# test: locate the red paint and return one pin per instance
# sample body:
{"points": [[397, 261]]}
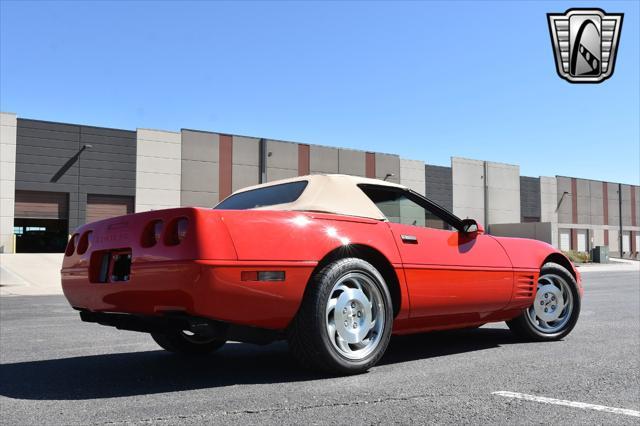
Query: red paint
{"points": [[605, 210], [225, 165], [447, 280], [370, 165], [303, 160]]}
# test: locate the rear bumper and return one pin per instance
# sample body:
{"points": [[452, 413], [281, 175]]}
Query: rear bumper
{"points": [[198, 288]]}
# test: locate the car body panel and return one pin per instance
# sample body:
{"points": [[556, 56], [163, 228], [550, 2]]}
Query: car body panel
{"points": [[448, 279], [452, 273]]}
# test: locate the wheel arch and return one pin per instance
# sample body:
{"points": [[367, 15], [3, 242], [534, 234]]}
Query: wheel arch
{"points": [[561, 260], [375, 258]]}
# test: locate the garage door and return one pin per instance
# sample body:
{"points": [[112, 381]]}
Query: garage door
{"points": [[626, 242], [582, 240], [105, 206], [41, 205], [565, 240]]}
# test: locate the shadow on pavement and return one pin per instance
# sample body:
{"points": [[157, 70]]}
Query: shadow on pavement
{"points": [[139, 373]]}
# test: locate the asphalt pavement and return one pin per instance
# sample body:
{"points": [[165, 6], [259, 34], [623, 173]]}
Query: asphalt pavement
{"points": [[55, 369]]}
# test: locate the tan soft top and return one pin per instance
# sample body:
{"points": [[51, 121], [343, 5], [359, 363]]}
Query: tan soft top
{"points": [[330, 193]]}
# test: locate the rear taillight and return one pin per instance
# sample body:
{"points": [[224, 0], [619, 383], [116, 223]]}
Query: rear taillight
{"points": [[85, 242], [176, 231], [152, 233], [71, 245]]}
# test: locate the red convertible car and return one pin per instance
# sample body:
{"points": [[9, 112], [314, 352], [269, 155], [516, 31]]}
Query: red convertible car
{"points": [[334, 264]]}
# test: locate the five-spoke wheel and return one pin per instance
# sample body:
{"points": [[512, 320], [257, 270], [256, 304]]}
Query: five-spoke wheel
{"points": [[355, 315], [344, 323], [555, 309]]}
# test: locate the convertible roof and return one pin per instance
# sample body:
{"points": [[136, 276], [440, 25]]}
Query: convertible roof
{"points": [[330, 193]]}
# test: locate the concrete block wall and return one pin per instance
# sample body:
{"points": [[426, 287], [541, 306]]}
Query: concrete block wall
{"points": [[503, 191], [626, 205], [323, 159], [439, 185], [468, 188], [565, 209], [542, 231], [351, 162], [8, 130], [549, 204], [387, 164], [200, 168], [282, 160], [412, 175], [246, 162], [158, 170], [613, 205], [530, 199]]}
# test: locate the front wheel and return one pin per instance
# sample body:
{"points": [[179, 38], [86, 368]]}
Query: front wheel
{"points": [[555, 309], [185, 343], [344, 323]]}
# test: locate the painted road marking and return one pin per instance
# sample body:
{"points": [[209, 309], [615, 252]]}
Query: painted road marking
{"points": [[583, 405]]}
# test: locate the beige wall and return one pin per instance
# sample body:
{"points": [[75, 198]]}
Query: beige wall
{"points": [[468, 188], [282, 160], [8, 126], [412, 174], [200, 168], [549, 204], [503, 191], [158, 170]]}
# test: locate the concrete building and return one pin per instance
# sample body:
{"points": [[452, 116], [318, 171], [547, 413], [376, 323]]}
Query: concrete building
{"points": [[56, 177]]}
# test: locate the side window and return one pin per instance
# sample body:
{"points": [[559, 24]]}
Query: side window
{"points": [[399, 208]]}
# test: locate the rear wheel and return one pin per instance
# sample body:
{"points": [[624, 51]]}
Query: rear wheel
{"points": [[344, 323], [555, 309], [183, 342]]}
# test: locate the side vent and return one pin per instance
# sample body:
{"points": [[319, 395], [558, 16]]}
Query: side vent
{"points": [[525, 286]]}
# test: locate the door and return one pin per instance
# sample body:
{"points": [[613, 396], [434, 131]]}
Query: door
{"points": [[448, 272], [105, 206], [40, 223], [626, 243], [565, 240], [581, 236]]}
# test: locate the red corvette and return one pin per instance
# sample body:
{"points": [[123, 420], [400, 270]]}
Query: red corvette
{"points": [[334, 264]]}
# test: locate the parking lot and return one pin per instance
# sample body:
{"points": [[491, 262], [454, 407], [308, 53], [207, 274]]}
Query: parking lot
{"points": [[56, 369]]}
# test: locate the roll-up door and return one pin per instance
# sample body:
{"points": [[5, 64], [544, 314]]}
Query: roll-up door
{"points": [[41, 205], [105, 206]]}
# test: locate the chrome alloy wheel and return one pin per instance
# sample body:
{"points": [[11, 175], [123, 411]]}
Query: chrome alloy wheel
{"points": [[355, 316], [553, 305]]}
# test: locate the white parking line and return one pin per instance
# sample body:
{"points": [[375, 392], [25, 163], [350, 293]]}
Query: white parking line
{"points": [[583, 405]]}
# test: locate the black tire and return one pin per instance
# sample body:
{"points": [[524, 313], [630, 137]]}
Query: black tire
{"points": [[308, 338], [522, 325], [180, 343]]}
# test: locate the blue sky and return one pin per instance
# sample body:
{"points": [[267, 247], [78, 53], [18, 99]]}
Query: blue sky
{"points": [[426, 80]]}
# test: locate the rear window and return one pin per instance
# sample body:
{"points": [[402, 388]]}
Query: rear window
{"points": [[263, 197]]}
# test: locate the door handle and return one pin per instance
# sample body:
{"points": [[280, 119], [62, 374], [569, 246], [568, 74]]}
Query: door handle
{"points": [[409, 239]]}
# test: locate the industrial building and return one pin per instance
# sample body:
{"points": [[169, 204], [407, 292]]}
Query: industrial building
{"points": [[57, 176]]}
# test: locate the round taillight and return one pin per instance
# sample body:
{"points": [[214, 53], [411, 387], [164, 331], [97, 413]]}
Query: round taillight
{"points": [[157, 231], [85, 242], [181, 228], [176, 231], [71, 245], [152, 233]]}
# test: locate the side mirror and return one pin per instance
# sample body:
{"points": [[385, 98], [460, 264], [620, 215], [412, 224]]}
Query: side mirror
{"points": [[470, 226]]}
